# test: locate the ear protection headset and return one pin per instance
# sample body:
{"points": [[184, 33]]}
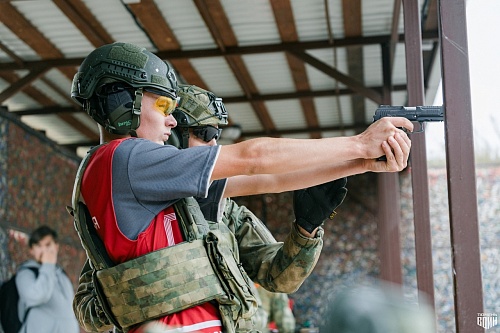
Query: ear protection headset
{"points": [[118, 106]]}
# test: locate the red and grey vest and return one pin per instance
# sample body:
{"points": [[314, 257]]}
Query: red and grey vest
{"points": [[163, 231]]}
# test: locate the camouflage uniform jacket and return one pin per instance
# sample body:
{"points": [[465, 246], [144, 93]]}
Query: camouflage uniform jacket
{"points": [[277, 308], [277, 266]]}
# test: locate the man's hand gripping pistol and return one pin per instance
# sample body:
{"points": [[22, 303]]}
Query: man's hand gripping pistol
{"points": [[420, 114]]}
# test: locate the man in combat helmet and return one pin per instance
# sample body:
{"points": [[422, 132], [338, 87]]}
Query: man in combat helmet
{"points": [[131, 186], [201, 113]]}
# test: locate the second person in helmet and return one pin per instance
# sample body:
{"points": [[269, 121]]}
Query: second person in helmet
{"points": [[198, 112]]}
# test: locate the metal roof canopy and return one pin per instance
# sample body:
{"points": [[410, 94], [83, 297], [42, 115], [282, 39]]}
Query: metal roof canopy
{"points": [[216, 44]]}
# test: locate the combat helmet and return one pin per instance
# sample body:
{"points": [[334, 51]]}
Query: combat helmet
{"points": [[377, 308], [110, 83], [196, 109]]}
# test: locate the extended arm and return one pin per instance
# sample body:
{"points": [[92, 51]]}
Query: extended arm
{"points": [[396, 152], [280, 155]]}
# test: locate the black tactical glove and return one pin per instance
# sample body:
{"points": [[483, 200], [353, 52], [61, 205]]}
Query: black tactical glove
{"points": [[313, 205]]}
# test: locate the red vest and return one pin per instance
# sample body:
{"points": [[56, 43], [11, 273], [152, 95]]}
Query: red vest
{"points": [[163, 231]]}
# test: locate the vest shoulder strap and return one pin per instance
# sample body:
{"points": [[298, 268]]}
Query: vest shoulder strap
{"points": [[93, 245]]}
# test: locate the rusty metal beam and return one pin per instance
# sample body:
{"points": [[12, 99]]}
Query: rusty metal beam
{"points": [[352, 18], [420, 187], [389, 218], [389, 211], [146, 12], [19, 25], [332, 72], [227, 100], [283, 14], [47, 110], [26, 80], [430, 19], [218, 24], [49, 105], [34, 93], [11, 54], [236, 50], [83, 19], [23, 28], [394, 32], [460, 166]]}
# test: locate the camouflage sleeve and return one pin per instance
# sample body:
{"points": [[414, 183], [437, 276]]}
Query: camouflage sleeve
{"points": [[277, 266], [87, 309]]}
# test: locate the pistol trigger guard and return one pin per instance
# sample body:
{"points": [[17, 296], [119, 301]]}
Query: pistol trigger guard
{"points": [[421, 130]]}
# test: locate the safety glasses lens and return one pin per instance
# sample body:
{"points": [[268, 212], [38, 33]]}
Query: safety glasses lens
{"points": [[165, 105], [207, 133]]}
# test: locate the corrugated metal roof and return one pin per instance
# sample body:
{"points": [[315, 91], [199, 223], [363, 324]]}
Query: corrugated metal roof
{"points": [[187, 24], [253, 23]]}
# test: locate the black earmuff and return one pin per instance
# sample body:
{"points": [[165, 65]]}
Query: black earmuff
{"points": [[116, 102]]}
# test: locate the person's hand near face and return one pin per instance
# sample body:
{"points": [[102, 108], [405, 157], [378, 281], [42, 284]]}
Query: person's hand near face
{"points": [[45, 251]]}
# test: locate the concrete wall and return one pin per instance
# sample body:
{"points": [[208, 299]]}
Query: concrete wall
{"points": [[36, 183]]}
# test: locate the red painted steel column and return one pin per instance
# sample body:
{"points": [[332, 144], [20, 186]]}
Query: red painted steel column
{"points": [[389, 211], [460, 166], [420, 182], [389, 218]]}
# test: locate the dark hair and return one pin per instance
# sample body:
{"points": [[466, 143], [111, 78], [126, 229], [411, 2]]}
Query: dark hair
{"points": [[41, 232]]}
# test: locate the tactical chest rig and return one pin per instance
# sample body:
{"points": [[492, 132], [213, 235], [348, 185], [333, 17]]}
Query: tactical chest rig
{"points": [[203, 268]]}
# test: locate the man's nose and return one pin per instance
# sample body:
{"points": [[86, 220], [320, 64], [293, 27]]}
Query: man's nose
{"points": [[170, 121]]}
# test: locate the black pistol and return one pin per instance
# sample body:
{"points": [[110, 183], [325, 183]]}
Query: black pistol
{"points": [[420, 114]]}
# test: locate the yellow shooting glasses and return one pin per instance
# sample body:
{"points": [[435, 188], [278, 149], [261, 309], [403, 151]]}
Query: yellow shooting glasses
{"points": [[165, 105]]}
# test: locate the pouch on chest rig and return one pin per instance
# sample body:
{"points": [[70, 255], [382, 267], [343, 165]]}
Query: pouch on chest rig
{"points": [[160, 283], [238, 303]]}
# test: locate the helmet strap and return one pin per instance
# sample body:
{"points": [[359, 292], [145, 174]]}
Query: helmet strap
{"points": [[181, 137], [136, 111], [185, 137]]}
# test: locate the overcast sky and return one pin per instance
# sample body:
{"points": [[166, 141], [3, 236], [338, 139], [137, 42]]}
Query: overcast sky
{"points": [[483, 27]]}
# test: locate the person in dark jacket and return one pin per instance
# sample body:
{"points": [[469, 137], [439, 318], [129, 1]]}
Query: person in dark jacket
{"points": [[48, 295]]}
